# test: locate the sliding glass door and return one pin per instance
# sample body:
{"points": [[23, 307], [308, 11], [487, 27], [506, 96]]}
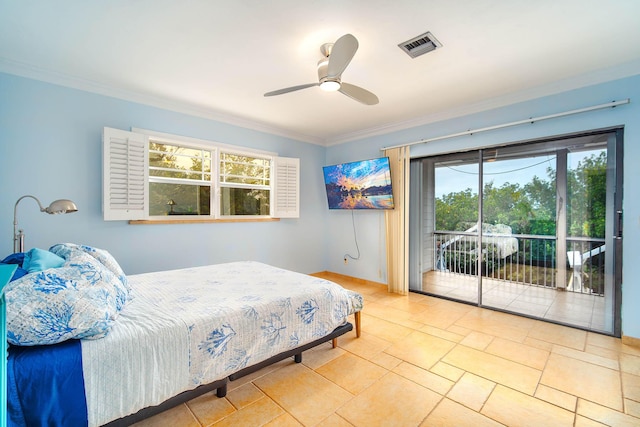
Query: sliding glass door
{"points": [[519, 217], [528, 228]]}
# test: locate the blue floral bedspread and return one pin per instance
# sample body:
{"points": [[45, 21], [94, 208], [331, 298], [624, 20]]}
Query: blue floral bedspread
{"points": [[188, 327]]}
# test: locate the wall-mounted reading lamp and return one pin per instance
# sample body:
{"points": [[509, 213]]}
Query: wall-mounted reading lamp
{"points": [[56, 207]]}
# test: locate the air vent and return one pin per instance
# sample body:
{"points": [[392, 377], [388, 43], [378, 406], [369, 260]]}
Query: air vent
{"points": [[420, 45]]}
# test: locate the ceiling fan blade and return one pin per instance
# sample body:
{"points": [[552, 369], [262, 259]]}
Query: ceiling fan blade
{"points": [[359, 94], [341, 54], [290, 89]]}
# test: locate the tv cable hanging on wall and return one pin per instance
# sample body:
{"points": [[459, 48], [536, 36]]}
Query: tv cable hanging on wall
{"points": [[355, 238]]}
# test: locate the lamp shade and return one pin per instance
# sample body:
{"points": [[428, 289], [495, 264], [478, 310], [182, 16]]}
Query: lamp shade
{"points": [[61, 206]]}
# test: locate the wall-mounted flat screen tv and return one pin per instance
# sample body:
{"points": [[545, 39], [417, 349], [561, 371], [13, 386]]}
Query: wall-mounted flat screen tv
{"points": [[359, 185]]}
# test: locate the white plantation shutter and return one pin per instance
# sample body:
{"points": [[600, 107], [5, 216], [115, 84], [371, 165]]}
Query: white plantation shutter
{"points": [[125, 175], [286, 200]]}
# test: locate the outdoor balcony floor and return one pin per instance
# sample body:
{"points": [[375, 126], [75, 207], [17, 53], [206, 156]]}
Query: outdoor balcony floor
{"points": [[583, 310]]}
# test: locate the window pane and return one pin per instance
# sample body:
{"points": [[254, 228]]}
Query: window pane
{"points": [[179, 199], [243, 201], [456, 191], [586, 193], [520, 191], [172, 161], [244, 169], [174, 149]]}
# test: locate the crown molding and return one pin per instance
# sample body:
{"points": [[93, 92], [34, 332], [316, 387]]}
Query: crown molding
{"points": [[588, 79], [75, 82], [599, 76]]}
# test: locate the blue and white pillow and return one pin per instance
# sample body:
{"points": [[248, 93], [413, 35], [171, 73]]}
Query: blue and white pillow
{"points": [[81, 299], [67, 250]]}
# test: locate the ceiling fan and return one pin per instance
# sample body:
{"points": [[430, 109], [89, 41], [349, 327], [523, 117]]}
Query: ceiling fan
{"points": [[336, 58]]}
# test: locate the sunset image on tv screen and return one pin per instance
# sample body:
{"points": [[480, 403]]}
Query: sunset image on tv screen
{"points": [[359, 185]]}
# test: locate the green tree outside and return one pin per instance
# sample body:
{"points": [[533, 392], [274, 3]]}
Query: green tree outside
{"points": [[530, 208]]}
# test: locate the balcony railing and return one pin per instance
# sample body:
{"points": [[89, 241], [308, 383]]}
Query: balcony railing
{"points": [[522, 258]]}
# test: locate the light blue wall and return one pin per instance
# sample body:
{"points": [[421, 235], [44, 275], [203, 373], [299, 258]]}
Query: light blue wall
{"points": [[50, 146], [626, 115]]}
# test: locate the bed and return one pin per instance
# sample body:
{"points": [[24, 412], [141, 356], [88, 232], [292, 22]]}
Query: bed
{"points": [[164, 338]]}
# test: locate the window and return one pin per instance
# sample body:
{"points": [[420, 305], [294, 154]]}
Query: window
{"points": [[156, 176], [245, 185], [179, 180]]}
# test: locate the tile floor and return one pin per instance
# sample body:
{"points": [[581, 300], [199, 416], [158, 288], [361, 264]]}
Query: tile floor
{"points": [[424, 361]]}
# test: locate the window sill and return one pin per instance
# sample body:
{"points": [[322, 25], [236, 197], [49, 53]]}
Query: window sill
{"points": [[199, 220]]}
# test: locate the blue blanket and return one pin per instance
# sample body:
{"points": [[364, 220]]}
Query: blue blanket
{"points": [[46, 386]]}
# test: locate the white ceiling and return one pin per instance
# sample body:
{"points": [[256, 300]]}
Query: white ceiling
{"points": [[217, 58]]}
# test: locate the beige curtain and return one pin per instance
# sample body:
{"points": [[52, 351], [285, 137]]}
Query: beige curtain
{"points": [[397, 223]]}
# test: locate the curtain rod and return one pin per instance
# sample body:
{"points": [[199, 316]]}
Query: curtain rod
{"points": [[531, 120]]}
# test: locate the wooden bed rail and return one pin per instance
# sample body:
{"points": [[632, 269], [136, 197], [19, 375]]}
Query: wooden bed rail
{"points": [[334, 342]]}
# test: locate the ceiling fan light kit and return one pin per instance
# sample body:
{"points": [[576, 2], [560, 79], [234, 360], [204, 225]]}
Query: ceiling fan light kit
{"points": [[330, 68], [327, 84], [330, 85]]}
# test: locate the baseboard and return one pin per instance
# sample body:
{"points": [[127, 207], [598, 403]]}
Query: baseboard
{"points": [[351, 278], [632, 341]]}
